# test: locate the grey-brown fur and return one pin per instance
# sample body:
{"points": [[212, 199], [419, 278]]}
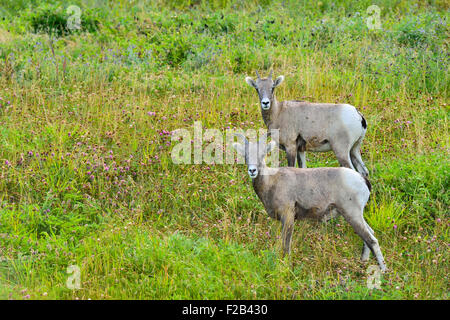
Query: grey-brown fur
{"points": [[318, 127], [321, 193]]}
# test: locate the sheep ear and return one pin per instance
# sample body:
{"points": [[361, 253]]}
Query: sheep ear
{"points": [[239, 148], [251, 82], [278, 81], [270, 146]]}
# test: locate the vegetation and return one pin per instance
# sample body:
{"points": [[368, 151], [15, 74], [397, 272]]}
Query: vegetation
{"points": [[86, 176]]}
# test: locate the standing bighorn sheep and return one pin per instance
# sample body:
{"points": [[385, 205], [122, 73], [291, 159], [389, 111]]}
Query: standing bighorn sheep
{"points": [[317, 127], [320, 193]]}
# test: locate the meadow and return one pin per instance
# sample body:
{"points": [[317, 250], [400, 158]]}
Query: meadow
{"points": [[87, 179]]}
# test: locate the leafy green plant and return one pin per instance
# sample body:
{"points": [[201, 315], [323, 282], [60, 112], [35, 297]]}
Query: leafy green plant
{"points": [[385, 215]]}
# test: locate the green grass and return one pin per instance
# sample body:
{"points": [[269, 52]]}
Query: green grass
{"points": [[86, 176]]}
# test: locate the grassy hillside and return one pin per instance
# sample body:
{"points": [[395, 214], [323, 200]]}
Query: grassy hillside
{"points": [[87, 179]]}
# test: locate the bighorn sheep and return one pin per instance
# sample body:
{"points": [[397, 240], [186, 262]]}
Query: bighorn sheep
{"points": [[316, 127], [320, 193]]}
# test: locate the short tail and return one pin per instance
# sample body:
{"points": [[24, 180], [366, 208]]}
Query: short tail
{"points": [[363, 121]]}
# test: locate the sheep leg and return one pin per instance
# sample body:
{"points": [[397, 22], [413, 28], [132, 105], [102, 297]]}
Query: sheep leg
{"points": [[301, 148], [358, 163], [366, 250], [370, 229], [290, 153], [344, 158], [301, 159], [287, 220], [356, 220]]}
